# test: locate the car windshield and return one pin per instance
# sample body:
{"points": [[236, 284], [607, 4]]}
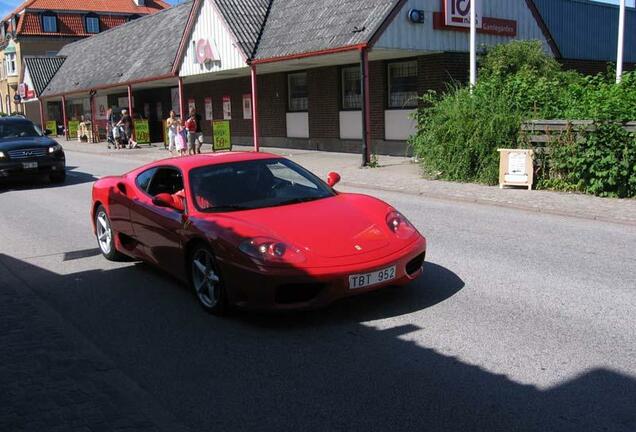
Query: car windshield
{"points": [[254, 184], [18, 130]]}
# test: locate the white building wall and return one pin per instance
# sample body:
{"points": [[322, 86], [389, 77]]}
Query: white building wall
{"points": [[211, 26], [402, 34]]}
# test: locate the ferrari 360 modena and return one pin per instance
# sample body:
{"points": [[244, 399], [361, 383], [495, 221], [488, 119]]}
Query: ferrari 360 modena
{"points": [[254, 230]]}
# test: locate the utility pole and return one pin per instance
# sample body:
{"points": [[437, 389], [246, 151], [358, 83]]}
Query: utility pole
{"points": [[621, 42], [473, 44]]}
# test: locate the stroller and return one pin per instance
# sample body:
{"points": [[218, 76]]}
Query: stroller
{"points": [[117, 137]]}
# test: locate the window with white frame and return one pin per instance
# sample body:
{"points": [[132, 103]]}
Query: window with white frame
{"points": [[92, 24], [351, 88], [49, 23], [298, 99], [402, 79], [11, 68]]}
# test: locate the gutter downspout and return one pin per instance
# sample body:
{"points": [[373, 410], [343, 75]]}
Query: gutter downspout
{"points": [[366, 106], [64, 120], [181, 111], [42, 124]]}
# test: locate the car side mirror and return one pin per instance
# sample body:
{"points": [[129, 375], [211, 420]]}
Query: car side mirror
{"points": [[333, 178], [47, 132], [167, 200]]}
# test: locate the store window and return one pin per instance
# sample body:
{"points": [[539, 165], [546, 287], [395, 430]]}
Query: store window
{"points": [[402, 78], [10, 64], [49, 22], [351, 88], [92, 23], [297, 90]]}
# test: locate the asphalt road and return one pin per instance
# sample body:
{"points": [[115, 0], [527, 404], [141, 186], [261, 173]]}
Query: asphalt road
{"points": [[521, 321]]}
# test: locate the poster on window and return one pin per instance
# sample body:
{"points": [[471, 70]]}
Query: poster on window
{"points": [[208, 109], [192, 105], [101, 106], [247, 106], [174, 98], [159, 110], [227, 108]]}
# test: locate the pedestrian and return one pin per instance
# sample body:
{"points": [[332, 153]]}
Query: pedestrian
{"points": [[171, 130], [180, 140], [191, 127], [110, 123], [198, 131], [127, 123]]}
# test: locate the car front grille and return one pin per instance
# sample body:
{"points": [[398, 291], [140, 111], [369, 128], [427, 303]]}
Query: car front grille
{"points": [[27, 153], [415, 264]]}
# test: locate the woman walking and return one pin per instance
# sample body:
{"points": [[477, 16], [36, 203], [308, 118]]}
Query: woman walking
{"points": [[171, 125]]}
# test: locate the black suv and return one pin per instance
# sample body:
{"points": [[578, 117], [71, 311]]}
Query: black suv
{"points": [[26, 151]]}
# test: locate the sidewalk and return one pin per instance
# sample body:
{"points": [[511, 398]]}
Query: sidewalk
{"points": [[400, 174]]}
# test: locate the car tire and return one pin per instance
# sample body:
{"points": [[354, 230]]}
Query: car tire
{"points": [[206, 280], [57, 177], [106, 236]]}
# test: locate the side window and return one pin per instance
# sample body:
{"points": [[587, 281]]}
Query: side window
{"points": [[143, 179], [165, 180]]}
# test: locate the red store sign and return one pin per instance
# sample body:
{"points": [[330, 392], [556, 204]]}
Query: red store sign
{"points": [[455, 16]]}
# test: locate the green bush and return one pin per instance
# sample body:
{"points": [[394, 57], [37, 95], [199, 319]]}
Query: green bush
{"points": [[459, 133]]}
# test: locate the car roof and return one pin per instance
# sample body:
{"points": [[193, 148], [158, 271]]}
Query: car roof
{"points": [[188, 163], [15, 119]]}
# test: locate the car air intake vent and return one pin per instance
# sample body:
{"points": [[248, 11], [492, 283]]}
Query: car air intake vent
{"points": [[297, 293], [415, 264], [27, 153]]}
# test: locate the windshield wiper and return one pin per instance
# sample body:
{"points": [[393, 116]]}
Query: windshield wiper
{"points": [[298, 200]]}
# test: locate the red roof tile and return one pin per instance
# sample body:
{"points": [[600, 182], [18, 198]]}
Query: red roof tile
{"points": [[67, 24], [114, 6]]}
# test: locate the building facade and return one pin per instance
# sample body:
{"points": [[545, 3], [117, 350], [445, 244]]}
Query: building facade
{"points": [[338, 75], [40, 28]]}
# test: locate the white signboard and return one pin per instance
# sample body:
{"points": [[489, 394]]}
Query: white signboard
{"points": [[208, 109], [457, 13], [227, 108], [247, 106]]}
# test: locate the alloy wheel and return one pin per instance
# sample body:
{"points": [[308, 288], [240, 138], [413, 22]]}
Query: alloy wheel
{"points": [[104, 233], [205, 279]]}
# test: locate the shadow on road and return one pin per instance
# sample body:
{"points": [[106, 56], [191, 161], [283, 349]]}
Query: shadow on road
{"points": [[39, 182], [322, 371]]}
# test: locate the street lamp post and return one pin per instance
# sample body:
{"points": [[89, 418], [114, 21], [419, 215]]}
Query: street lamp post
{"points": [[621, 42]]}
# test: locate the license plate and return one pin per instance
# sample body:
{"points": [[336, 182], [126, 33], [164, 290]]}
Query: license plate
{"points": [[372, 278], [29, 165]]}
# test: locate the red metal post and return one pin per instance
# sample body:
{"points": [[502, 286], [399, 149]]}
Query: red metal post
{"points": [[42, 123], [255, 129], [64, 121], [181, 98], [130, 101], [366, 106]]}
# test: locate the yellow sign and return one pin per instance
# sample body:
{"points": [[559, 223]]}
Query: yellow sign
{"points": [[73, 126], [222, 137], [166, 139], [142, 131], [52, 126]]}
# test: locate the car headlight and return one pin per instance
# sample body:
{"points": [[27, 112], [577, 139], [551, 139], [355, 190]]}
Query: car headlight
{"points": [[272, 251], [2, 156], [55, 148], [400, 225]]}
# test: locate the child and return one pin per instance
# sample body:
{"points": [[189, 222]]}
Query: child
{"points": [[180, 140]]}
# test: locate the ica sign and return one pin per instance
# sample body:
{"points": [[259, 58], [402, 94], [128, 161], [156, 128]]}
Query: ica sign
{"points": [[457, 13]]}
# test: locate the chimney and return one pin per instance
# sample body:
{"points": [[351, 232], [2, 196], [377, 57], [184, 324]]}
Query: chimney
{"points": [[140, 2]]}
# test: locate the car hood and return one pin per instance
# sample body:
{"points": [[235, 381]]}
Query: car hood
{"points": [[26, 142], [339, 226]]}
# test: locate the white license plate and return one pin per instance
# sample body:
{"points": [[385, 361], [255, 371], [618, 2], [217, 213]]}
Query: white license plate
{"points": [[29, 165], [372, 278]]}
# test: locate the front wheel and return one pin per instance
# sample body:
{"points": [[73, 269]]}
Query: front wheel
{"points": [[106, 236], [206, 281]]}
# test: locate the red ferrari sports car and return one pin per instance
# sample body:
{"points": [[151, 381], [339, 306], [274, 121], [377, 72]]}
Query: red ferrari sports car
{"points": [[254, 230]]}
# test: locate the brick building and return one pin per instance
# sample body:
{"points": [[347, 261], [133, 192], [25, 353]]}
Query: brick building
{"points": [[40, 28], [340, 75]]}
